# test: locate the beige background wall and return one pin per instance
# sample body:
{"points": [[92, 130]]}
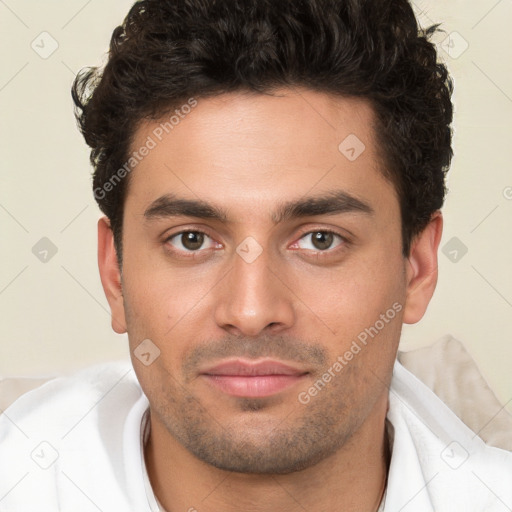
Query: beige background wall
{"points": [[54, 317]]}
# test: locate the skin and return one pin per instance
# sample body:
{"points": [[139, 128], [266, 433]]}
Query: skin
{"points": [[247, 154]]}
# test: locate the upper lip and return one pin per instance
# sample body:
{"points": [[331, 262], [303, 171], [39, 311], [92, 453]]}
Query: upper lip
{"points": [[252, 368]]}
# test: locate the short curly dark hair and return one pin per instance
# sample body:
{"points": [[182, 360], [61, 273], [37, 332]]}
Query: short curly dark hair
{"points": [[168, 51]]}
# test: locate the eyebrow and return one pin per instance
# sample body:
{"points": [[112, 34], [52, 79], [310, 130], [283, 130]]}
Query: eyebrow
{"points": [[332, 203]]}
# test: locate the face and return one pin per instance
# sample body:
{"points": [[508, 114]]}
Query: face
{"points": [[265, 265]]}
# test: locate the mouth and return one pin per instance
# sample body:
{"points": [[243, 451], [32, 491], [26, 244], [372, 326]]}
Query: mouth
{"points": [[252, 379]]}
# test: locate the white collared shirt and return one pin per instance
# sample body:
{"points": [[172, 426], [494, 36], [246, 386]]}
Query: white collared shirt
{"points": [[76, 444]]}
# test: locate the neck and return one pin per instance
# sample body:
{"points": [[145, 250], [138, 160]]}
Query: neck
{"points": [[355, 475]]}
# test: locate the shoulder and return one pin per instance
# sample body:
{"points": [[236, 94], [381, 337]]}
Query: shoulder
{"points": [[69, 435], [450, 465], [58, 402]]}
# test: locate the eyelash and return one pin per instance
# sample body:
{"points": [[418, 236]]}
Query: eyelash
{"points": [[182, 253], [318, 253], [327, 252]]}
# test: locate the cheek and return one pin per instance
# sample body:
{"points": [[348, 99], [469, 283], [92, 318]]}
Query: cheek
{"points": [[153, 312], [157, 297], [354, 294], [359, 305]]}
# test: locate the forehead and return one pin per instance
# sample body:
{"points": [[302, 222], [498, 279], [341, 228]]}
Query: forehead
{"points": [[249, 151]]}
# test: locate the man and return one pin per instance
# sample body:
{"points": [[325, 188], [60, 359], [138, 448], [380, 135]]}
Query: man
{"points": [[272, 175]]}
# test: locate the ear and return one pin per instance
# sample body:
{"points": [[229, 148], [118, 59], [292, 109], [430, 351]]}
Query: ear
{"points": [[111, 275], [422, 269]]}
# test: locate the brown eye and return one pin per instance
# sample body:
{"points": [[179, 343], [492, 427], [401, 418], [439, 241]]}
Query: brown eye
{"points": [[320, 241], [190, 241]]}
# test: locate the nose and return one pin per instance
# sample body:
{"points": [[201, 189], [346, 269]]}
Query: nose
{"points": [[252, 299]]}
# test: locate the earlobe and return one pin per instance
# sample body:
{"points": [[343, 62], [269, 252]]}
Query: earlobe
{"points": [[111, 275], [422, 270]]}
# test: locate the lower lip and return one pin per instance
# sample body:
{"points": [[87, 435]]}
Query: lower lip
{"points": [[253, 386]]}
